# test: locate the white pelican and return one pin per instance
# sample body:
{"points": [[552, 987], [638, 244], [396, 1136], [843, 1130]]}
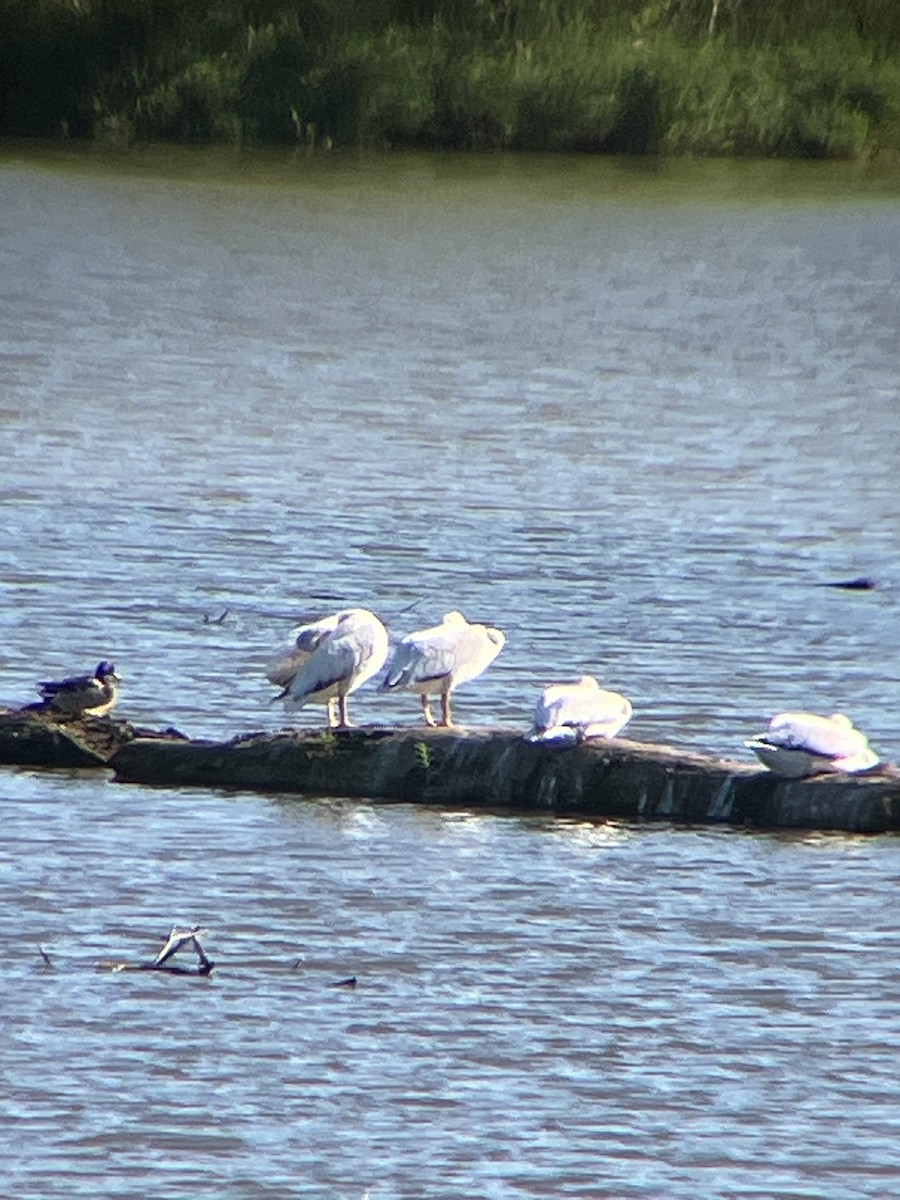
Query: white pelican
{"points": [[797, 744], [573, 711], [83, 695], [340, 661], [439, 659], [304, 640]]}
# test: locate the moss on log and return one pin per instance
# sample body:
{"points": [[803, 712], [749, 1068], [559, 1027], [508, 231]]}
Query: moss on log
{"points": [[498, 769]]}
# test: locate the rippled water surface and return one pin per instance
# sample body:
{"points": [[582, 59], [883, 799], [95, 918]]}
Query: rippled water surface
{"points": [[632, 416]]}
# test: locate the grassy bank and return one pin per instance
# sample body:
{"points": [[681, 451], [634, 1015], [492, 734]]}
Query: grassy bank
{"points": [[719, 77]]}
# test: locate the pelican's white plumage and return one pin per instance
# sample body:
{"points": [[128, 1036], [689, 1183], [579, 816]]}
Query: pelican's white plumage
{"points": [[797, 744], [572, 711], [304, 640], [342, 660], [437, 660]]}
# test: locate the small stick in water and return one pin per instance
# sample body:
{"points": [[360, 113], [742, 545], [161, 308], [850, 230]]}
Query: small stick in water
{"points": [[219, 620], [177, 939], [862, 584], [206, 964]]}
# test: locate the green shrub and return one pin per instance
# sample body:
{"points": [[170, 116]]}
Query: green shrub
{"points": [[274, 99], [820, 100], [817, 79], [395, 71], [198, 104], [565, 91]]}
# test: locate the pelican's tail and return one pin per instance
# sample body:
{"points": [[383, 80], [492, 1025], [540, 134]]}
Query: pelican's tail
{"points": [[863, 760], [563, 734]]}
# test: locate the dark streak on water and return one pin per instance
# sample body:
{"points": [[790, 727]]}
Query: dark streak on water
{"points": [[633, 418]]}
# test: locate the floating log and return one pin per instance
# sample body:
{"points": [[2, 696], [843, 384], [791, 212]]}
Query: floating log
{"points": [[27, 740], [498, 769], [32, 737], [476, 768]]}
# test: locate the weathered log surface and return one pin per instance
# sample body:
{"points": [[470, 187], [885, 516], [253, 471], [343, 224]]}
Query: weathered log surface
{"points": [[499, 769], [31, 737], [477, 768]]}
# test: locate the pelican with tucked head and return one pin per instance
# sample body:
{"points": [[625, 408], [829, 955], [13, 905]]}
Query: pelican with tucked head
{"points": [[82, 695], [798, 744], [340, 660], [436, 661], [305, 639], [574, 711]]}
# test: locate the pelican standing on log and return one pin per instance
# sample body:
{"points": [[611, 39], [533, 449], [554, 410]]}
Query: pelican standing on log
{"points": [[437, 660], [341, 660], [305, 640], [83, 695], [573, 711], [797, 744]]}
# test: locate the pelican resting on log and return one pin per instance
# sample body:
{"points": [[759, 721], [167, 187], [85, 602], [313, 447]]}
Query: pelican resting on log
{"points": [[798, 744], [83, 695], [437, 660], [574, 711], [339, 660]]}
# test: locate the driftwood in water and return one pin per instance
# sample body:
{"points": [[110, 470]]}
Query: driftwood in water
{"points": [[177, 940], [27, 740], [500, 769], [34, 737], [477, 768]]}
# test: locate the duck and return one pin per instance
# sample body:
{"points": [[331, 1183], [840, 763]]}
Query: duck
{"points": [[83, 695], [798, 744], [342, 652], [436, 661], [574, 711]]}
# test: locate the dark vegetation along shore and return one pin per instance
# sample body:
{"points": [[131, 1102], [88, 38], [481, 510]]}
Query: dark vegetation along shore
{"points": [[809, 78], [486, 769]]}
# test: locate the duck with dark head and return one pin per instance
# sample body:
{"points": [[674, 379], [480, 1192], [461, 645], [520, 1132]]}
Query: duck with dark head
{"points": [[82, 695]]}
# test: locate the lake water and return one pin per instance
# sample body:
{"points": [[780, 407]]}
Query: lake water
{"points": [[634, 415]]}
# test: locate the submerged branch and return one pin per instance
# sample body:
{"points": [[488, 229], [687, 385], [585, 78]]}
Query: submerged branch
{"points": [[177, 940]]}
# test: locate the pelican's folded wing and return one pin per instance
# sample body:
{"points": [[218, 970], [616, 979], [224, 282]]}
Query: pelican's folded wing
{"points": [[327, 668], [418, 661]]}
